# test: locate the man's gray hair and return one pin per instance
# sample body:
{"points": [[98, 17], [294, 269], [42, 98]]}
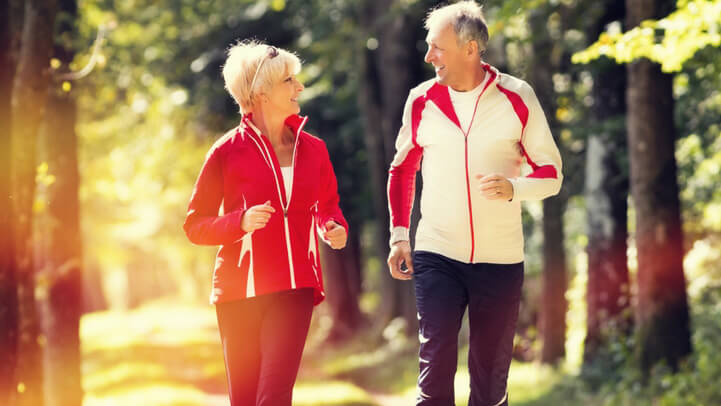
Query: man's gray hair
{"points": [[466, 18]]}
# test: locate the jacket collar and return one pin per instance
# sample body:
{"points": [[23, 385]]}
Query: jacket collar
{"points": [[439, 94], [295, 122]]}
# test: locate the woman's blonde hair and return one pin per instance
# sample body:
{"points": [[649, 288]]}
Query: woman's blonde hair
{"points": [[251, 60]]}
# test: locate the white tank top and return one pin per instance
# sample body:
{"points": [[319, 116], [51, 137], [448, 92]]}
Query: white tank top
{"points": [[287, 172]]}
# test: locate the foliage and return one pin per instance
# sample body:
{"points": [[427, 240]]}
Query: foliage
{"points": [[670, 41], [156, 103], [695, 384]]}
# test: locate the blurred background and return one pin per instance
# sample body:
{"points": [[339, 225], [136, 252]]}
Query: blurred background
{"points": [[108, 107]]}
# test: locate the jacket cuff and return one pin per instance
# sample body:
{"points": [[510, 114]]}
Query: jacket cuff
{"points": [[341, 223], [238, 223], [399, 234], [517, 189]]}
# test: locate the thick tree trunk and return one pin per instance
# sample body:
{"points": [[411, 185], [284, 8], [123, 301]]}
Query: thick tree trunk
{"points": [[387, 78], [552, 314], [30, 91], [606, 190], [8, 279], [552, 317], [342, 274], [62, 307], [662, 313]]}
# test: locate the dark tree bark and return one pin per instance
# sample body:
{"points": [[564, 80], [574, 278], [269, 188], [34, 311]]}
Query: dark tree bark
{"points": [[662, 315], [342, 269], [606, 190], [552, 317], [30, 90], [342, 274], [61, 256], [388, 73], [10, 14], [552, 314]]}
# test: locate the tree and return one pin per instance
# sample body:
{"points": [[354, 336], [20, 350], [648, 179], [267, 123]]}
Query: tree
{"points": [[10, 12], [692, 27], [60, 252], [608, 291], [662, 312], [341, 273], [29, 97], [552, 318], [389, 69]]}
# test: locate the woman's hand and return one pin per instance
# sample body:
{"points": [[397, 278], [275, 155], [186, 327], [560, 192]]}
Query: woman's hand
{"points": [[335, 235], [256, 217]]}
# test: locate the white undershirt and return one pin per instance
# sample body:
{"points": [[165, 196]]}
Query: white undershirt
{"points": [[464, 103], [287, 172]]}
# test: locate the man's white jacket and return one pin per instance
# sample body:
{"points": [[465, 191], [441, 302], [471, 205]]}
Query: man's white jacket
{"points": [[508, 126]]}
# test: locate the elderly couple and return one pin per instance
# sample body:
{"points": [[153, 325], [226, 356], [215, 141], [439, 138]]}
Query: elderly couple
{"points": [[266, 187]]}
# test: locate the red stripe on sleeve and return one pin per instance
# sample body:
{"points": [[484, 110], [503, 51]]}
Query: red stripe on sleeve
{"points": [[539, 172]]}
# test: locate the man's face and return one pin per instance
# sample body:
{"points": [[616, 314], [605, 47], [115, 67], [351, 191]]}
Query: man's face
{"points": [[448, 59]]}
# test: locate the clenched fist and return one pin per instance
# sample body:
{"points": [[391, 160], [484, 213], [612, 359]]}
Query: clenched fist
{"points": [[335, 235], [495, 187], [256, 217], [400, 253]]}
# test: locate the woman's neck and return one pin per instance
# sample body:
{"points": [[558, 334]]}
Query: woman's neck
{"points": [[273, 127]]}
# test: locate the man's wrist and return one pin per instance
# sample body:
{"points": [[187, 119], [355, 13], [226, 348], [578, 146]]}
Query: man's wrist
{"points": [[399, 234]]}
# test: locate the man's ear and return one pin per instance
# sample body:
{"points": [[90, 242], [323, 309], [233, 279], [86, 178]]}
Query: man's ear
{"points": [[471, 48]]}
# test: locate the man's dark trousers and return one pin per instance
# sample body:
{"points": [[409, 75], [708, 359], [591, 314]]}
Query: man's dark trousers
{"points": [[492, 292]]}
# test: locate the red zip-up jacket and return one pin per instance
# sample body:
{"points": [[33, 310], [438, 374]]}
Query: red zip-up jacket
{"points": [[241, 170]]}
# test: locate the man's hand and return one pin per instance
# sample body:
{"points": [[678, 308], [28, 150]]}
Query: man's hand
{"points": [[256, 217], [400, 252], [495, 187], [335, 235]]}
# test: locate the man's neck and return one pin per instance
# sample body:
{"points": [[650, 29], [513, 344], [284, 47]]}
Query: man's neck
{"points": [[471, 81]]}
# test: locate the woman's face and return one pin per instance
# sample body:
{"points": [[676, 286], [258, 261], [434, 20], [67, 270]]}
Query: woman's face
{"points": [[283, 96]]}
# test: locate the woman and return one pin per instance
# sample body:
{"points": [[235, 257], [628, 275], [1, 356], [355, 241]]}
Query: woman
{"points": [[265, 188]]}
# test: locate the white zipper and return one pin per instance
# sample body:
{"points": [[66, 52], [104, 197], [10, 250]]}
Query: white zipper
{"points": [[265, 152], [290, 251]]}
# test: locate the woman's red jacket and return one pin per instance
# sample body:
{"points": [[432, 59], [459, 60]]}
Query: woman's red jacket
{"points": [[240, 171]]}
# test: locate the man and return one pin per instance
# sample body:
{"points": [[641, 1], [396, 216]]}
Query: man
{"points": [[472, 126]]}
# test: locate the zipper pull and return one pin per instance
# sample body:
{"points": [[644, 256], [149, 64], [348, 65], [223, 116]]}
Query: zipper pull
{"points": [[285, 213]]}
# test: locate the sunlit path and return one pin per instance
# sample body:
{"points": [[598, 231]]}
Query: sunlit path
{"points": [[168, 354]]}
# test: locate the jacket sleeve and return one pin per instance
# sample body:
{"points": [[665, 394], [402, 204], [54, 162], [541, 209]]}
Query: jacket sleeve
{"points": [[328, 208], [402, 175], [203, 225], [540, 150]]}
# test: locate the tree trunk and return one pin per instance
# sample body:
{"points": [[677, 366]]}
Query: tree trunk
{"points": [[552, 317], [552, 314], [62, 308], [30, 91], [387, 77], [9, 37], [342, 272], [662, 313], [606, 190]]}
